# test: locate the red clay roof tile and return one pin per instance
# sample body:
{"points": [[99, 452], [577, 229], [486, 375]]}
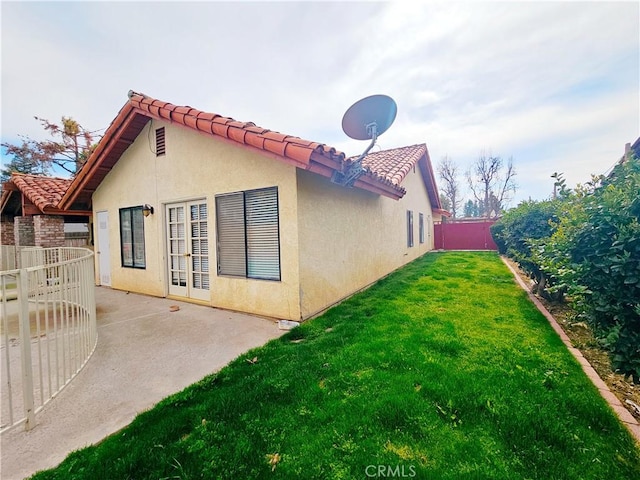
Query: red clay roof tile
{"points": [[384, 170], [394, 164], [237, 131], [43, 192]]}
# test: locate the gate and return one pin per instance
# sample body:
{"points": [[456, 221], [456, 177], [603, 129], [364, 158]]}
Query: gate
{"points": [[474, 235]]}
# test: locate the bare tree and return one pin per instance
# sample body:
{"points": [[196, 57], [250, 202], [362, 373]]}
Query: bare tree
{"points": [[448, 171], [445, 202], [492, 183]]}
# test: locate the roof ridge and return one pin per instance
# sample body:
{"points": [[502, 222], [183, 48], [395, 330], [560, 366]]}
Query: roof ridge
{"points": [[294, 148], [309, 155], [39, 175]]}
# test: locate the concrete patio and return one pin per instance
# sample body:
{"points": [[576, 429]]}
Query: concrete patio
{"points": [[145, 352]]}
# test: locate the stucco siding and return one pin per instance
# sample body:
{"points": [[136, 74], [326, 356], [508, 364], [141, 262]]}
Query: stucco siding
{"points": [[349, 238], [198, 167]]}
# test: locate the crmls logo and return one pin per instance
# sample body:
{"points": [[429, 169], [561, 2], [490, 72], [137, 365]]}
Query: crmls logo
{"points": [[388, 471]]}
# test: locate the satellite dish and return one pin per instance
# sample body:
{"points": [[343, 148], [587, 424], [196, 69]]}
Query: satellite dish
{"points": [[365, 120], [369, 117]]}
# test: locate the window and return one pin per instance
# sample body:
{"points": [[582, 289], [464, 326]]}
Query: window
{"points": [[248, 234], [409, 228], [132, 237], [160, 142], [421, 227]]}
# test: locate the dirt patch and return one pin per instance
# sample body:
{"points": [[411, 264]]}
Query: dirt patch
{"points": [[582, 338]]}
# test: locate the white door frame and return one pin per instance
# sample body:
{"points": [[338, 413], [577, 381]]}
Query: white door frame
{"points": [[187, 249], [103, 250]]}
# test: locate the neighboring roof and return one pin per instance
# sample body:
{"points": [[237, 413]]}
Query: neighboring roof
{"points": [[43, 192], [139, 109]]}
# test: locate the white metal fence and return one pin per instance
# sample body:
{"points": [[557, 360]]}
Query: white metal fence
{"points": [[48, 328], [8, 257]]}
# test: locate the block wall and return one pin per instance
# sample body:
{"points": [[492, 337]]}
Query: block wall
{"points": [[23, 232], [48, 230]]}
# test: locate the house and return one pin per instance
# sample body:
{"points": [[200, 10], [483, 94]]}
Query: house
{"points": [[29, 211], [205, 208]]}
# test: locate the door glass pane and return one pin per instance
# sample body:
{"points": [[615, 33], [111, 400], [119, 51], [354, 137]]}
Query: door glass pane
{"points": [[199, 245]]}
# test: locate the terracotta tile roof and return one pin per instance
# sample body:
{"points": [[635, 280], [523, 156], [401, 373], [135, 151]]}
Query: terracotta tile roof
{"points": [[394, 164], [246, 133], [43, 192], [313, 156]]}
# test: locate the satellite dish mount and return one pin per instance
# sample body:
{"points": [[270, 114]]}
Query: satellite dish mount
{"points": [[366, 119]]}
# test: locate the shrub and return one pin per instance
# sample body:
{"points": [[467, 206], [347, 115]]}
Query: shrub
{"points": [[606, 255], [521, 230], [587, 244]]}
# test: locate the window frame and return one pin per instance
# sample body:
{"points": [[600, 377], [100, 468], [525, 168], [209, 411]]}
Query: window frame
{"points": [[132, 242], [421, 227], [247, 229]]}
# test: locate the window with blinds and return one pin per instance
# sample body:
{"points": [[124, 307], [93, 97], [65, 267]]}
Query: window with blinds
{"points": [[248, 234], [409, 228]]}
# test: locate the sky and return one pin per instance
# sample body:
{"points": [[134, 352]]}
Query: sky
{"points": [[553, 85]]}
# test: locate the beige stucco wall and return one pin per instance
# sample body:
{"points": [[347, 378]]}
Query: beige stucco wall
{"points": [[349, 238], [195, 167]]}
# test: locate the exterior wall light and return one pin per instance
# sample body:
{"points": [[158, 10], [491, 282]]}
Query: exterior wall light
{"points": [[147, 210]]}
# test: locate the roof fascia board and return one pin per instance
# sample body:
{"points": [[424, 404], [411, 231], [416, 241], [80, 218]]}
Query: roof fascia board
{"points": [[424, 163]]}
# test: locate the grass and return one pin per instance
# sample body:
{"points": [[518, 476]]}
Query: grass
{"points": [[442, 370]]}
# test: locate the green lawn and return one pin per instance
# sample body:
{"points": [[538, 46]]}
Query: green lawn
{"points": [[442, 370]]}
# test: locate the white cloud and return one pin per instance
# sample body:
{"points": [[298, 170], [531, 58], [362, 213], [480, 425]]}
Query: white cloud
{"points": [[555, 84]]}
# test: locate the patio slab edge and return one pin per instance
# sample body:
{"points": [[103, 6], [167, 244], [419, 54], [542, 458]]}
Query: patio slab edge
{"points": [[623, 414]]}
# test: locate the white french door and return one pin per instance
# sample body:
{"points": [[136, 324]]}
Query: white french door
{"points": [[188, 249]]}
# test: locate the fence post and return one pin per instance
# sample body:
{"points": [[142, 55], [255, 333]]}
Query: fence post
{"points": [[25, 348]]}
